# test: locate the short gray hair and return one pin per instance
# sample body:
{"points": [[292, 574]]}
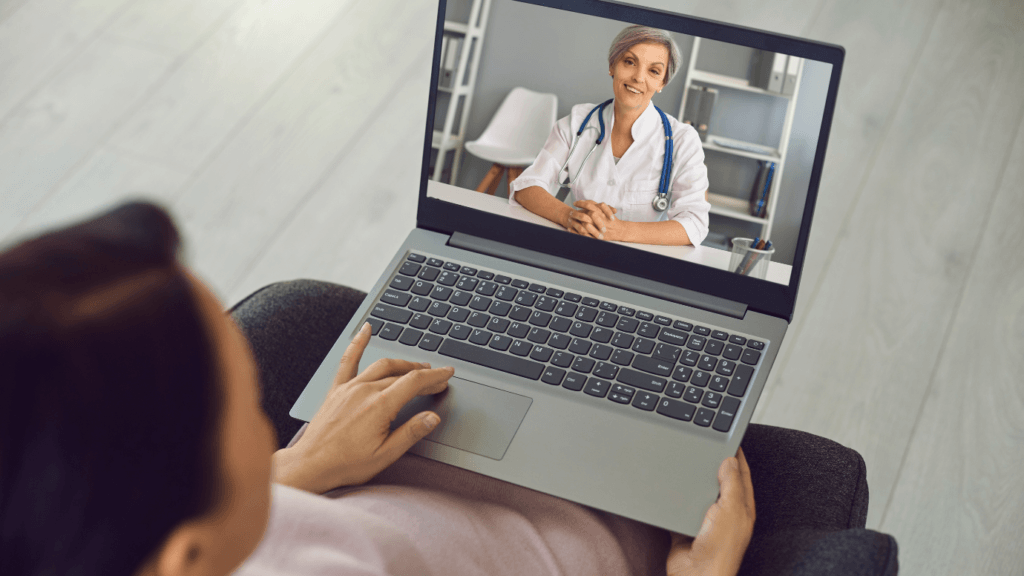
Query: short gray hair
{"points": [[633, 35]]}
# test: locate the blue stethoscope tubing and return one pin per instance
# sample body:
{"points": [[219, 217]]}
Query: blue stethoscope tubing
{"points": [[660, 202]]}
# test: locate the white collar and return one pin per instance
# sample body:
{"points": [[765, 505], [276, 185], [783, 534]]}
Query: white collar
{"points": [[642, 126]]}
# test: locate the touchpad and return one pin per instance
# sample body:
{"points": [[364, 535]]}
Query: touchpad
{"points": [[474, 417]]}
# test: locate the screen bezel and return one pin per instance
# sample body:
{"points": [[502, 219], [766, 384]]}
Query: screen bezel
{"points": [[759, 295]]}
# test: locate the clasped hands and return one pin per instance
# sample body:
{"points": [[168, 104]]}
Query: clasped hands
{"points": [[596, 220]]}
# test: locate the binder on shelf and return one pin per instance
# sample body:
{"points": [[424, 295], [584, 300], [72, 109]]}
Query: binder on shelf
{"points": [[693, 97], [451, 60], [444, 58], [792, 67], [707, 103], [762, 189], [778, 72]]}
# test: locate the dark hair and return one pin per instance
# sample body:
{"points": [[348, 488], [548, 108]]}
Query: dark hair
{"points": [[110, 397]]}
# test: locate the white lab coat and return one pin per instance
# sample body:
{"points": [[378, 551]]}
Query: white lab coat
{"points": [[630, 185]]}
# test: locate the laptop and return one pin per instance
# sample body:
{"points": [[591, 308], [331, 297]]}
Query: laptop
{"points": [[615, 375]]}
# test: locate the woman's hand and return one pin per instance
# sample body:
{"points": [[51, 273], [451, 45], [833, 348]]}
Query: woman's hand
{"points": [[596, 220], [723, 538], [349, 441]]}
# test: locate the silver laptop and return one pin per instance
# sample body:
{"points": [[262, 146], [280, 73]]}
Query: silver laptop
{"points": [[615, 375]]}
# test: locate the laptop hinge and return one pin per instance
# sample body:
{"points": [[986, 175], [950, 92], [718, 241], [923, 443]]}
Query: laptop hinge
{"points": [[599, 275]]}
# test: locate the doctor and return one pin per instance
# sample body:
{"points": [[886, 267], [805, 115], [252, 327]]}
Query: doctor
{"points": [[615, 189]]}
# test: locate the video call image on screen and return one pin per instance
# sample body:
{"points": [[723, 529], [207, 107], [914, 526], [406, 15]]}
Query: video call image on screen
{"points": [[517, 81]]}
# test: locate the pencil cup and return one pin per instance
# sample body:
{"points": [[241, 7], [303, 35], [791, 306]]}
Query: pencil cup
{"points": [[749, 261]]}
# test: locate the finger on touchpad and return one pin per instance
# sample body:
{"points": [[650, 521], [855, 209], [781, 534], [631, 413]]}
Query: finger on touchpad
{"points": [[474, 417]]}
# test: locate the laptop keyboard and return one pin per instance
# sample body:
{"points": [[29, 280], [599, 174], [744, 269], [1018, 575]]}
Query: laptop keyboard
{"points": [[667, 366]]}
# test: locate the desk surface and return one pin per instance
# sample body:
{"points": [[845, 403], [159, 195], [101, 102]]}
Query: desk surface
{"points": [[705, 255]]}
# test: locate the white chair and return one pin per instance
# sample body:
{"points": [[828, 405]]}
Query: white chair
{"points": [[515, 136]]}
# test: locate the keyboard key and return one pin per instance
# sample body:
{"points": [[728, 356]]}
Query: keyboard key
{"points": [[608, 306], [750, 357], [690, 358], [401, 283], [506, 293], [521, 284], [641, 380], [485, 275], [539, 335], [580, 346], [491, 359], [707, 363], [435, 262], [726, 368], [538, 288], [675, 389], [447, 278], [726, 414], [607, 319], [602, 335], [676, 409], [566, 309], [572, 297], [439, 326], [559, 341], [732, 352], [700, 378], [682, 373], [430, 342], [375, 325], [518, 330], [496, 325], [419, 304], [554, 292], [390, 313], [738, 340], [420, 321], [684, 326], [643, 346], [627, 325], [663, 320], [619, 398], [439, 309], [702, 331], [421, 288], [711, 399], [417, 257], [719, 335], [574, 381], [441, 293], [500, 308], [653, 366], [410, 337], [563, 359], [583, 365], [467, 283], [481, 337], [460, 297], [648, 330], [478, 320], [486, 288], [546, 303], [580, 329], [541, 353], [597, 387], [586, 314], [520, 313], [674, 337], [390, 331], [559, 324], [601, 352], [667, 352], [526, 298], [553, 376], [704, 417], [458, 314], [460, 332], [696, 343], [592, 302], [622, 340], [467, 271], [741, 380], [645, 401], [714, 347], [622, 357], [452, 266], [539, 318], [395, 298], [606, 370], [480, 303], [500, 342], [429, 274], [520, 348], [756, 345], [409, 269]]}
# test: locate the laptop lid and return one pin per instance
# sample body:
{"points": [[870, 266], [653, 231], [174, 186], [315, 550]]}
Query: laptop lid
{"points": [[767, 99]]}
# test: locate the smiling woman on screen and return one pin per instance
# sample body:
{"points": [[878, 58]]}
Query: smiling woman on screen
{"points": [[622, 186]]}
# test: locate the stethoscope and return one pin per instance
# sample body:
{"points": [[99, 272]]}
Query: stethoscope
{"points": [[660, 202]]}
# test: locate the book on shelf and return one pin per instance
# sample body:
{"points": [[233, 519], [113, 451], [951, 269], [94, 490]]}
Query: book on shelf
{"points": [[693, 96], [450, 47], [792, 68], [768, 71], [707, 104], [761, 191]]}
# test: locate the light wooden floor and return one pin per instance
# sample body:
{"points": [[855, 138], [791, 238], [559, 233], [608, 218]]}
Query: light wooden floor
{"points": [[285, 137]]}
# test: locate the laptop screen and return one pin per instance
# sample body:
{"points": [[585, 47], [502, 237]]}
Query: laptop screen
{"points": [[738, 122]]}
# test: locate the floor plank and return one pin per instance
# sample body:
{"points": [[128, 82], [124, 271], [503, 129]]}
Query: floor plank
{"points": [[960, 484], [43, 35], [212, 93], [61, 125], [873, 333], [291, 144], [171, 26]]}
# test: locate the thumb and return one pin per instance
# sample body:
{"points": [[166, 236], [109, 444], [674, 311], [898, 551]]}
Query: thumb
{"points": [[730, 484], [407, 434]]}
